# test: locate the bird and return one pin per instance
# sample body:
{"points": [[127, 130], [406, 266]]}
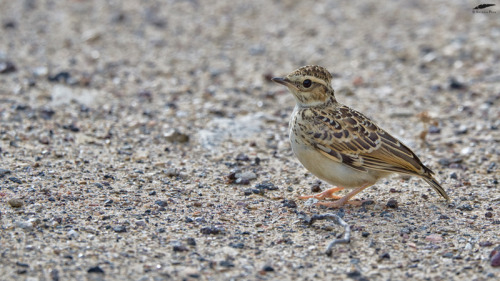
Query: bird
{"points": [[340, 145], [483, 6]]}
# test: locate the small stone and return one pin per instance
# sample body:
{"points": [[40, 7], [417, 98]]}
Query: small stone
{"points": [[385, 256], [7, 67], [453, 175], [316, 187], [392, 203], [237, 245], [180, 248], [289, 204], [119, 229], [365, 234], [456, 85], [226, 263], [495, 257], [95, 269], [488, 214], [266, 185], [191, 241], [4, 172], [462, 130], [245, 177], [15, 203], [15, 180], [242, 157], [485, 244], [434, 130], [175, 136], [72, 234], [268, 268], [434, 238], [211, 230], [62, 76], [161, 203], [171, 172], [465, 207]]}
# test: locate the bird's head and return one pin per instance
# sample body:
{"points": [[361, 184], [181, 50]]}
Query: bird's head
{"points": [[310, 85]]}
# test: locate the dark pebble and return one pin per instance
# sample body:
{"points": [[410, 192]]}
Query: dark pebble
{"points": [[367, 202], [161, 203], [266, 185], [488, 214], [226, 263], [289, 203], [316, 187], [365, 234], [465, 207], [152, 193], [211, 230], [4, 172], [425, 196], [491, 167], [495, 257], [180, 248], [62, 76], [16, 180], [448, 255], [191, 241], [354, 274], [20, 264], [72, 127], [7, 67], [54, 275], [385, 256], [95, 269], [268, 268], [242, 157], [237, 245], [434, 130], [444, 217], [119, 228], [485, 244], [453, 175], [188, 220], [392, 203], [456, 85]]}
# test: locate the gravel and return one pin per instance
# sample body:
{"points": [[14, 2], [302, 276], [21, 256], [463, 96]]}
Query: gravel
{"points": [[143, 140]]}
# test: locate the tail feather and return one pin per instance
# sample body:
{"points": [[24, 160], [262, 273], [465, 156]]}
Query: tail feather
{"points": [[437, 187]]}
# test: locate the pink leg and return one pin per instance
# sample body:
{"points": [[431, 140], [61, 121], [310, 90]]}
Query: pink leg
{"points": [[325, 194], [345, 200]]}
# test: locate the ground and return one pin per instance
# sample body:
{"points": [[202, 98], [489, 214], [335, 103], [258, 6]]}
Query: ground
{"points": [[143, 140]]}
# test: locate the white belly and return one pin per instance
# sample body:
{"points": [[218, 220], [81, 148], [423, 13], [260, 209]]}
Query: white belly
{"points": [[330, 171]]}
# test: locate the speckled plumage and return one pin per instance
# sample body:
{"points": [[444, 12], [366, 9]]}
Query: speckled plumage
{"points": [[340, 145]]}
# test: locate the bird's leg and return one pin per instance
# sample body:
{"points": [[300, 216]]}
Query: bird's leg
{"points": [[325, 194], [345, 200]]}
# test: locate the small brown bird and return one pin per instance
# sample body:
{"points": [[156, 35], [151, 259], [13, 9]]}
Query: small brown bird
{"points": [[340, 145]]}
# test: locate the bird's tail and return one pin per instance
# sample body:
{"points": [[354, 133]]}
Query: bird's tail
{"points": [[437, 187]]}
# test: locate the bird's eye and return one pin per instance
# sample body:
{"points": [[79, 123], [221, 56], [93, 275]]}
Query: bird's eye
{"points": [[307, 83]]}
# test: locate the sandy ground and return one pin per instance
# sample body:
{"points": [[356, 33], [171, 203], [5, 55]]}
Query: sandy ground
{"points": [[146, 142]]}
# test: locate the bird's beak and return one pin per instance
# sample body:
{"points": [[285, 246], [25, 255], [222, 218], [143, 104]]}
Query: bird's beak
{"points": [[282, 81]]}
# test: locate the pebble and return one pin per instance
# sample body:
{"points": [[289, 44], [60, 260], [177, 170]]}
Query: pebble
{"points": [[245, 177], [268, 268], [434, 238], [119, 228], [95, 269], [289, 203], [4, 172], [7, 67], [392, 203], [15, 180], [15, 203], [495, 257], [175, 136], [72, 234], [211, 230], [191, 241]]}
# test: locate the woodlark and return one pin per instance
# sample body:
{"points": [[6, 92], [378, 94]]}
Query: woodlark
{"points": [[340, 145]]}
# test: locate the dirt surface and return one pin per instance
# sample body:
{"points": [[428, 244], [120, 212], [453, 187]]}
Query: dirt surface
{"points": [[143, 140]]}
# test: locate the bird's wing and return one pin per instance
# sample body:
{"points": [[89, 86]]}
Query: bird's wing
{"points": [[347, 136]]}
